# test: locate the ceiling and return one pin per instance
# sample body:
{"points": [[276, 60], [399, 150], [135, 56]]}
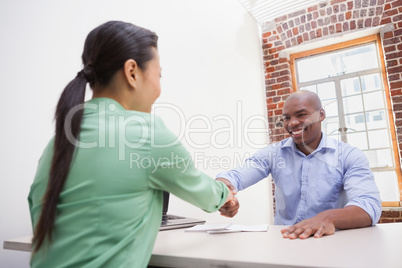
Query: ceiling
{"points": [[264, 11]]}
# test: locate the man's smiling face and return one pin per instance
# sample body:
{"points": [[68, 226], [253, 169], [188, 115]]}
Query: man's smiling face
{"points": [[302, 116]]}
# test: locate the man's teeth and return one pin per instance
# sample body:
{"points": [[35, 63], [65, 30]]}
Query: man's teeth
{"points": [[297, 132]]}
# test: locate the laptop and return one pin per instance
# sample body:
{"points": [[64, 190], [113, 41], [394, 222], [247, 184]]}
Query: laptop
{"points": [[173, 221]]}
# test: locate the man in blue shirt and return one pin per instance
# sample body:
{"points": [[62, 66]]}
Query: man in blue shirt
{"points": [[321, 184]]}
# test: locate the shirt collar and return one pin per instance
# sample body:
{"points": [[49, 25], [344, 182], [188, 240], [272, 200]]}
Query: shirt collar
{"points": [[324, 143]]}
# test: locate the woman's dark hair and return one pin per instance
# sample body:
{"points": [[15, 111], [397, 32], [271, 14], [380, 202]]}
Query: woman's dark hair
{"points": [[106, 49]]}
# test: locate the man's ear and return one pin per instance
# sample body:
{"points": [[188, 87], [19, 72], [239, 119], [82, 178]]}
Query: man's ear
{"points": [[322, 114], [131, 72]]}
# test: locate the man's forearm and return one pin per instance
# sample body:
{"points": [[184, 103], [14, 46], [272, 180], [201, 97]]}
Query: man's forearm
{"points": [[348, 217]]}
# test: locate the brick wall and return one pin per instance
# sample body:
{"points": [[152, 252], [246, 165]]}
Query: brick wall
{"points": [[320, 22], [391, 215]]}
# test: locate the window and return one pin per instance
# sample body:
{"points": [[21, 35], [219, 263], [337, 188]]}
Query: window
{"points": [[348, 78]]}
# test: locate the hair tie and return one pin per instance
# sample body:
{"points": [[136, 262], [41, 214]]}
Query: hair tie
{"points": [[87, 73]]}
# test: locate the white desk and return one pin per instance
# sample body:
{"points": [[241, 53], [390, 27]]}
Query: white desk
{"points": [[378, 246]]}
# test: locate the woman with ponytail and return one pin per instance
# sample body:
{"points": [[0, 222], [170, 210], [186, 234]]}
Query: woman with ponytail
{"points": [[96, 200]]}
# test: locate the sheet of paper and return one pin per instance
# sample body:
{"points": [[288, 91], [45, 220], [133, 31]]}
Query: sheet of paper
{"points": [[228, 228], [207, 227], [248, 228]]}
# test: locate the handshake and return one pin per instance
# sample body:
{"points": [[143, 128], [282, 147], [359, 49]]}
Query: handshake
{"points": [[231, 207]]}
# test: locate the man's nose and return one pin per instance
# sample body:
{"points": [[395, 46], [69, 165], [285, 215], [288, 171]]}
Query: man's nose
{"points": [[293, 121]]}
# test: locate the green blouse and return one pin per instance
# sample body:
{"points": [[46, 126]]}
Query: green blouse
{"points": [[110, 208]]}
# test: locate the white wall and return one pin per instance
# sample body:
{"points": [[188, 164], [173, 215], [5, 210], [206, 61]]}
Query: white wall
{"points": [[212, 66]]}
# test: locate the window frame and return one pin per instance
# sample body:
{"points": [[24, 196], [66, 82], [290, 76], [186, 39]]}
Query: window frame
{"points": [[359, 41]]}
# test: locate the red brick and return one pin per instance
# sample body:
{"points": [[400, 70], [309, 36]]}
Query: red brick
{"points": [[388, 35], [392, 63], [338, 27], [350, 5], [348, 15], [281, 67], [333, 2], [310, 9], [386, 220], [278, 112], [284, 79], [267, 34], [394, 85], [280, 48], [390, 214], [398, 32], [397, 99], [277, 86], [352, 24], [397, 3], [272, 50], [318, 33], [385, 21], [299, 39], [394, 55], [270, 93], [396, 93], [285, 90], [391, 41], [387, 7], [391, 48], [397, 18], [270, 69], [282, 18], [393, 77], [272, 106]]}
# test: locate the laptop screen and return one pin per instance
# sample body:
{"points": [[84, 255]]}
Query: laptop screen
{"points": [[165, 202]]}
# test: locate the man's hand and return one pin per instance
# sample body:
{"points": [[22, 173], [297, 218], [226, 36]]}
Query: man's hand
{"points": [[231, 207], [318, 226], [325, 223]]}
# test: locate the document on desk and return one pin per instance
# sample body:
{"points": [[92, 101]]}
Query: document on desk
{"points": [[227, 228]]}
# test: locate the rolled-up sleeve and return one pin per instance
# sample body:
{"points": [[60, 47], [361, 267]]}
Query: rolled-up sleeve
{"points": [[360, 187]]}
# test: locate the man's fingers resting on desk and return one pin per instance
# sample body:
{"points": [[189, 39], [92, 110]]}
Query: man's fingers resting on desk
{"points": [[307, 228]]}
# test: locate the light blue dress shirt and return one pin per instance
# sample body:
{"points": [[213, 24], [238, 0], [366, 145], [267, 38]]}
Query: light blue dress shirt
{"points": [[335, 175]]}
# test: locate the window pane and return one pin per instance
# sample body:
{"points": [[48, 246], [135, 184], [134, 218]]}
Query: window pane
{"points": [[330, 125], [373, 101], [359, 59], [387, 183], [358, 140], [314, 68], [330, 107], [378, 138], [353, 104], [355, 122], [326, 91], [310, 88], [380, 158], [337, 63], [350, 86], [376, 119], [371, 82]]}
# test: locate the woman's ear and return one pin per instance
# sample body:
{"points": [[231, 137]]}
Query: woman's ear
{"points": [[131, 72]]}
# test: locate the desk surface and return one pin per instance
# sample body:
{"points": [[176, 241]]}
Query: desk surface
{"points": [[378, 246]]}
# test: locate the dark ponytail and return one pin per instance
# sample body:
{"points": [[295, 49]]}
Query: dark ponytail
{"points": [[106, 49]]}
